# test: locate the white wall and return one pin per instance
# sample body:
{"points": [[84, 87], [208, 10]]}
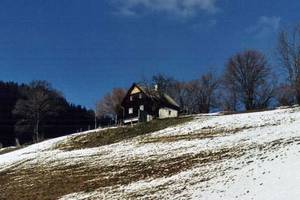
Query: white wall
{"points": [[149, 118], [167, 113]]}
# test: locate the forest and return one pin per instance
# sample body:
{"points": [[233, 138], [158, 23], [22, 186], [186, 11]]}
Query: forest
{"points": [[35, 111]]}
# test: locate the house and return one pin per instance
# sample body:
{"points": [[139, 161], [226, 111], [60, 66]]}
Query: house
{"points": [[142, 105]]}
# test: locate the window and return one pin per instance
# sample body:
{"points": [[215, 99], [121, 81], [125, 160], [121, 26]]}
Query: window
{"points": [[131, 98], [170, 112], [140, 96], [130, 110], [142, 107]]}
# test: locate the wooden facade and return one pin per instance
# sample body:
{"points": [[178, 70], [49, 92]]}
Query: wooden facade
{"points": [[140, 105]]}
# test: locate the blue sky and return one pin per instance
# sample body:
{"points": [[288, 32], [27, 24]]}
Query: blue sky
{"points": [[87, 47]]}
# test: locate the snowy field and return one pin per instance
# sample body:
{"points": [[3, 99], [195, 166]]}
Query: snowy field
{"points": [[241, 156]]}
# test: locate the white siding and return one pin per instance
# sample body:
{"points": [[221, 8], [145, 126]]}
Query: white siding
{"points": [[149, 118], [130, 110], [167, 113], [142, 107]]}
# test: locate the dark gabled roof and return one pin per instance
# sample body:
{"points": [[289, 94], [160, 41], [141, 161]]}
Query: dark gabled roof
{"points": [[170, 100], [160, 97]]}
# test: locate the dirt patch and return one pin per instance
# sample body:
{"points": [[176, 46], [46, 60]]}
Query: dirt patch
{"points": [[205, 133]]}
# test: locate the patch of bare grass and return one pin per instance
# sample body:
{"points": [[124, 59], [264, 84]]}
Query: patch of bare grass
{"points": [[9, 149], [115, 135], [206, 133]]}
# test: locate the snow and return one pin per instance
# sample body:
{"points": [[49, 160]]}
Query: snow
{"points": [[277, 179], [270, 172]]}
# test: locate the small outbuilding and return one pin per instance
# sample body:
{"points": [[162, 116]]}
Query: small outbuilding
{"points": [[142, 104]]}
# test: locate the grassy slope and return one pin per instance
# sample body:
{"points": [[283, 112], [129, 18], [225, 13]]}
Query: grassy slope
{"points": [[115, 135], [8, 149], [48, 182]]}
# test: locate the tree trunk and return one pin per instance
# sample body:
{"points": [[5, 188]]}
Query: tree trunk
{"points": [[17, 142], [298, 97], [297, 90], [37, 138]]}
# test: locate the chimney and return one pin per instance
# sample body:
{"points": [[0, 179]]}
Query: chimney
{"points": [[156, 87]]}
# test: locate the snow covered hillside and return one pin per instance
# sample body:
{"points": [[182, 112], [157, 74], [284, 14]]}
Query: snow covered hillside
{"points": [[241, 156]]}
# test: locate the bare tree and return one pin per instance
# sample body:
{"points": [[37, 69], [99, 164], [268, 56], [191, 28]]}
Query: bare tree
{"points": [[206, 91], [180, 95], [201, 93], [104, 106], [191, 88], [289, 54], [285, 95], [165, 83], [39, 102], [247, 75], [265, 93], [110, 104], [228, 97]]}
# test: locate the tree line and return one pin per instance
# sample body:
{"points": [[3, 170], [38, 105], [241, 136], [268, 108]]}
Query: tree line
{"points": [[248, 82], [36, 111]]}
